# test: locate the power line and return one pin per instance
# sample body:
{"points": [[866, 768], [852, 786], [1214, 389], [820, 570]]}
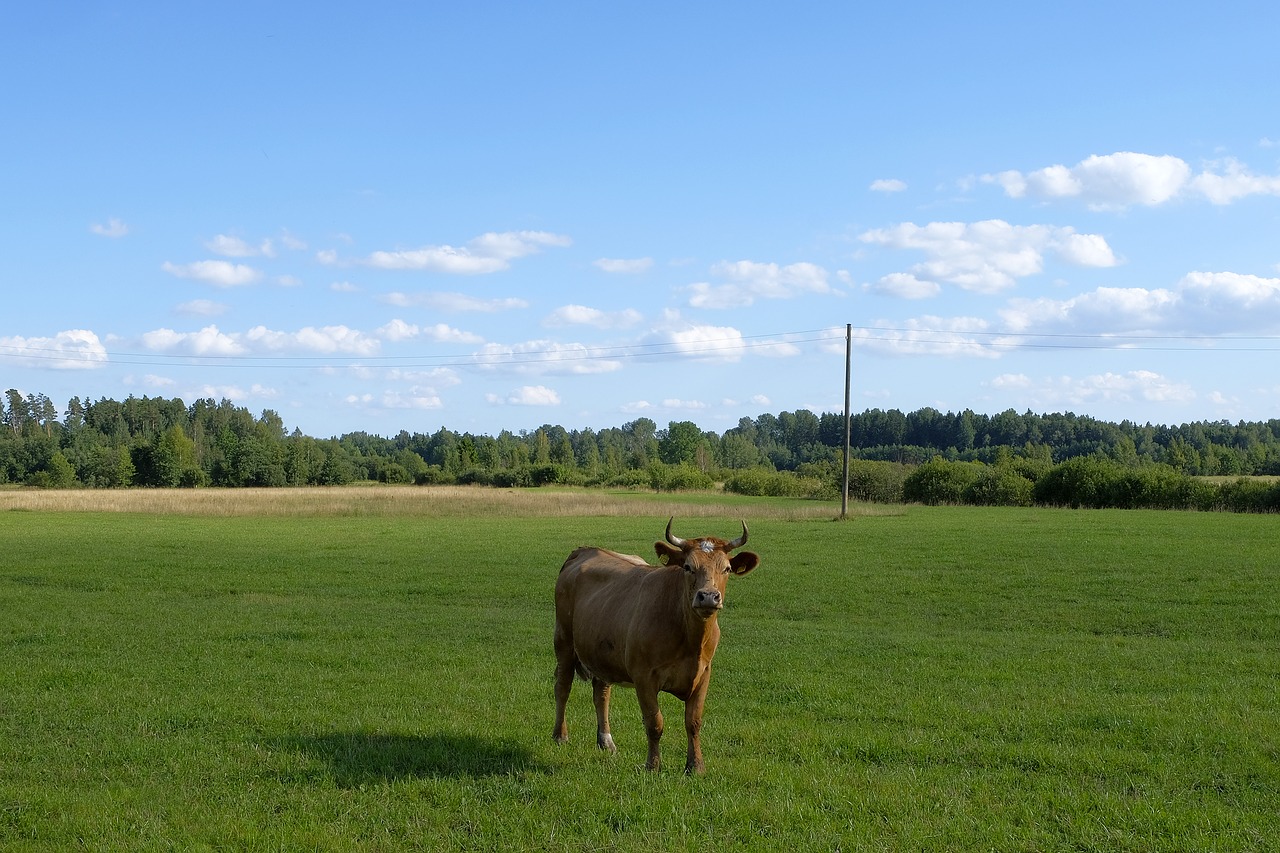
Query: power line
{"points": [[501, 356]]}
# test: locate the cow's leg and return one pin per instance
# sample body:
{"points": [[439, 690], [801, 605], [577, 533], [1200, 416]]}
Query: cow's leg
{"points": [[693, 724], [648, 696], [566, 660], [600, 694]]}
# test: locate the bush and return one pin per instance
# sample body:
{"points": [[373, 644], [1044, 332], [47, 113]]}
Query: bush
{"points": [[678, 478], [940, 482], [999, 487], [1244, 495], [762, 482]]}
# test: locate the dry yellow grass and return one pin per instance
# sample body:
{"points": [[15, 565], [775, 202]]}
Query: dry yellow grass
{"points": [[377, 500]]}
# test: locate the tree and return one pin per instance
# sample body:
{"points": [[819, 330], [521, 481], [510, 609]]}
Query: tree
{"points": [[678, 443]]}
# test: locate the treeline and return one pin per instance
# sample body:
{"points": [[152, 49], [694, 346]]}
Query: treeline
{"points": [[153, 441]]}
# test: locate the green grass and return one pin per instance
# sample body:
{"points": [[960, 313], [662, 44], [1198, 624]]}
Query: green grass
{"points": [[939, 679]]}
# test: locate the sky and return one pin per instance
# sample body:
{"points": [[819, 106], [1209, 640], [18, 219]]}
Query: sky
{"points": [[491, 215]]}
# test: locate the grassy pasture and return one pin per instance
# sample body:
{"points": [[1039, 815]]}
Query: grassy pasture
{"points": [[371, 669]]}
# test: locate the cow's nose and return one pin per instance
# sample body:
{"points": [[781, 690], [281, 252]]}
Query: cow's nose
{"points": [[708, 598]]}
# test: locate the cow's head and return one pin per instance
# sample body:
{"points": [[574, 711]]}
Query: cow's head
{"points": [[707, 566]]}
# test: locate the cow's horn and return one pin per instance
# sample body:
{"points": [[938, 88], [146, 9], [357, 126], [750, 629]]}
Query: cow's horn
{"points": [[674, 540], [740, 541]]}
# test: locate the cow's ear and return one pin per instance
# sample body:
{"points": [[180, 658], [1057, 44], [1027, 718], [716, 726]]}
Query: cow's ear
{"points": [[667, 554], [743, 562]]}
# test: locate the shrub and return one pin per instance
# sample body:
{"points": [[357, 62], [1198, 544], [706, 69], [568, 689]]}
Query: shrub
{"points": [[999, 487], [940, 482]]}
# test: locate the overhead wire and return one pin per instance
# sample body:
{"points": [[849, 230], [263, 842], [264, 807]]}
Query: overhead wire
{"points": [[506, 356]]}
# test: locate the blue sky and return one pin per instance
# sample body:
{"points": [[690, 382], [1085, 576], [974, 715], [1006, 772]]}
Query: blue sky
{"points": [[492, 216]]}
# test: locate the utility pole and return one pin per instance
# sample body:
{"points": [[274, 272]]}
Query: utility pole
{"points": [[848, 365]]}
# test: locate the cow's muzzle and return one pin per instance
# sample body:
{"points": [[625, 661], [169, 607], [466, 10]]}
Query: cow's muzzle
{"points": [[708, 601]]}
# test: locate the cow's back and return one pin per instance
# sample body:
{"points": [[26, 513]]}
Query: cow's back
{"points": [[597, 596]]}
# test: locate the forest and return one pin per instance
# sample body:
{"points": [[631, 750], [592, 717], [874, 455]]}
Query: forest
{"points": [[158, 442]]}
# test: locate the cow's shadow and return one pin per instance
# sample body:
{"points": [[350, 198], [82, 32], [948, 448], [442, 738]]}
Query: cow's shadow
{"points": [[359, 758]]}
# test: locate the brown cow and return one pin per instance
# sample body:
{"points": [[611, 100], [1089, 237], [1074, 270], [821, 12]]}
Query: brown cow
{"points": [[622, 621]]}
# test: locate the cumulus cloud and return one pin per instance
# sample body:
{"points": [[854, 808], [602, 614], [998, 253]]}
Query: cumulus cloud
{"points": [[987, 256], [545, 356], [1208, 303], [527, 395], [887, 185], [113, 228], [581, 315], [73, 349], [1126, 178], [209, 341], [213, 342], [231, 392], [236, 247], [326, 339], [217, 273], [1233, 181], [743, 282], [955, 336], [414, 398], [626, 266], [1102, 181], [906, 286], [487, 253], [453, 302], [1059, 392], [399, 330]]}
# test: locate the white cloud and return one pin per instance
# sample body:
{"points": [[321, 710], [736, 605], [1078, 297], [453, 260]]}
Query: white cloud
{"points": [[217, 273], [73, 349], [1201, 303], [344, 287], [906, 286], [209, 341], [956, 336], [487, 253], [326, 339], [232, 392], [201, 308], [288, 281], [887, 185], [328, 257], [529, 396], [717, 343], [674, 403], [418, 398], [1106, 181], [292, 243], [1120, 180], [581, 315], [747, 281], [545, 356], [626, 266], [987, 256], [399, 330], [1234, 182], [1075, 392], [236, 247], [113, 228], [453, 302]]}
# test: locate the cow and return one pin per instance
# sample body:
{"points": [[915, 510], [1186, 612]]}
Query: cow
{"points": [[620, 620]]}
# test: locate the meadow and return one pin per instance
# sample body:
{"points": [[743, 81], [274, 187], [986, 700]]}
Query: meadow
{"points": [[370, 669]]}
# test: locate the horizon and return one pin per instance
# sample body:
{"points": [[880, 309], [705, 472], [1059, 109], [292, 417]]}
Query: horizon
{"points": [[487, 219]]}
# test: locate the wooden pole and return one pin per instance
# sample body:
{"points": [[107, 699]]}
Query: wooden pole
{"points": [[848, 365]]}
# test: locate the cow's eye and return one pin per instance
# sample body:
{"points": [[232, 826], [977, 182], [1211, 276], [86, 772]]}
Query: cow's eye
{"points": [[688, 568]]}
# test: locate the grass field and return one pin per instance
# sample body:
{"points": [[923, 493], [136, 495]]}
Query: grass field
{"points": [[371, 670]]}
